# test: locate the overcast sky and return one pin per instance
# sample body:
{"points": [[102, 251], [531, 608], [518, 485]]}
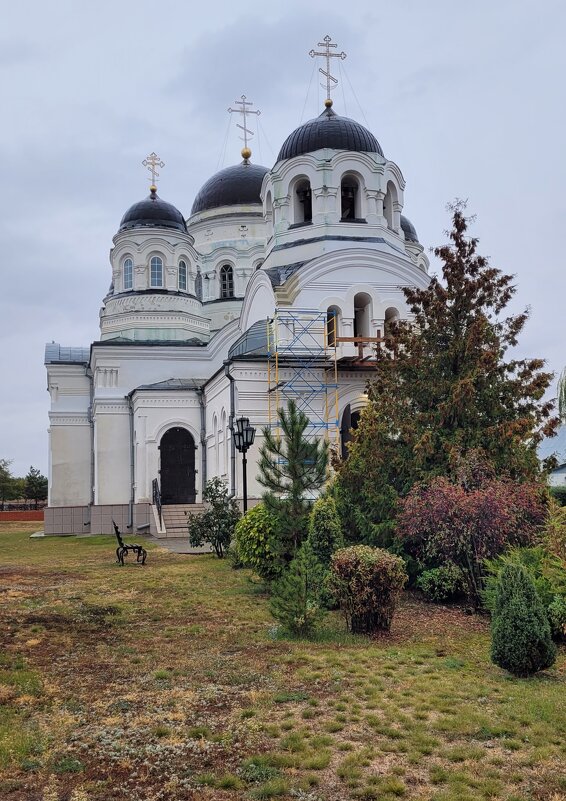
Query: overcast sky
{"points": [[467, 98]]}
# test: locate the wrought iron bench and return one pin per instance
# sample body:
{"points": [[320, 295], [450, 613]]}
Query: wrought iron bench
{"points": [[122, 549]]}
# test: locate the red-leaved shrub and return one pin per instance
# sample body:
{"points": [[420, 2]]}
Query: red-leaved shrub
{"points": [[367, 582], [443, 520]]}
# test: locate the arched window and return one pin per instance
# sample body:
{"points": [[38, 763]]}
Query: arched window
{"points": [[362, 307], [269, 214], [350, 422], [349, 193], [390, 199], [332, 321], [224, 445], [226, 281], [183, 276], [215, 443], [128, 274], [391, 316], [303, 204], [156, 272]]}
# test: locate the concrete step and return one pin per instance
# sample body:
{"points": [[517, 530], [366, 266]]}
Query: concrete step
{"points": [[176, 517]]}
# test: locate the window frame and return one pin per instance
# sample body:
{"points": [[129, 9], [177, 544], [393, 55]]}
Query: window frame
{"points": [[227, 289], [151, 273], [128, 265], [183, 271]]}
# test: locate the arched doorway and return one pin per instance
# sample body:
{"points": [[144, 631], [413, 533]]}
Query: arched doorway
{"points": [[177, 471]]}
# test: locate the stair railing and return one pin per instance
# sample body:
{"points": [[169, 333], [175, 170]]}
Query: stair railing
{"points": [[157, 499]]}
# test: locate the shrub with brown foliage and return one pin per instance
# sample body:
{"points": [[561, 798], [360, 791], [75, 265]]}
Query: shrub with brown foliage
{"points": [[367, 583], [468, 524]]}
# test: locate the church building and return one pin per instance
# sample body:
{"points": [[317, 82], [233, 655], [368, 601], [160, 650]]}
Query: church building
{"points": [[277, 285]]}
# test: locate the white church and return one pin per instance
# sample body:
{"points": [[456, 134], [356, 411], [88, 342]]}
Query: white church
{"points": [[278, 284]]}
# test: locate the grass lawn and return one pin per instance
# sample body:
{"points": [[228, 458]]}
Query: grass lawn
{"points": [[168, 682]]}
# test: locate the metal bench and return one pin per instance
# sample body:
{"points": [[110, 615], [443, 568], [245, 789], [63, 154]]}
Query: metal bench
{"points": [[122, 549]]}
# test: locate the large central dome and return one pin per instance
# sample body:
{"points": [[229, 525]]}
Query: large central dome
{"points": [[233, 186], [329, 130]]}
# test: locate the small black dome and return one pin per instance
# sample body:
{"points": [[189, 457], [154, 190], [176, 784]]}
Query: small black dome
{"points": [[152, 212], [233, 186], [329, 130], [409, 230]]}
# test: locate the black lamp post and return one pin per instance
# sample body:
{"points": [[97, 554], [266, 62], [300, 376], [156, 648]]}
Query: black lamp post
{"points": [[244, 435]]}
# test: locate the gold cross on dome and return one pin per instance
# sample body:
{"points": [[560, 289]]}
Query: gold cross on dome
{"points": [[244, 111], [152, 162], [331, 81]]}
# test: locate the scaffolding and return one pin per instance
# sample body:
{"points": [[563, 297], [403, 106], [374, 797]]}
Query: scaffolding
{"points": [[302, 366]]}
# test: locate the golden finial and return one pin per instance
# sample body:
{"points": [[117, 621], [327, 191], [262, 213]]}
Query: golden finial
{"points": [[328, 102], [246, 153]]}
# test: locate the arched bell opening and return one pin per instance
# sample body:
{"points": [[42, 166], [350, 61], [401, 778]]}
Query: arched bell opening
{"points": [[350, 422]]}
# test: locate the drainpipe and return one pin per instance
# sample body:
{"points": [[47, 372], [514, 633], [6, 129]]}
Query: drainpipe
{"points": [[231, 427], [200, 393], [132, 450], [90, 376]]}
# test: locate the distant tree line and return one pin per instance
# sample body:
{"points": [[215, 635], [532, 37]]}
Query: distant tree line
{"points": [[29, 489]]}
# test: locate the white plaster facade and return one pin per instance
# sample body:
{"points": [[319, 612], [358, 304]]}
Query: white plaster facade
{"points": [[323, 231]]}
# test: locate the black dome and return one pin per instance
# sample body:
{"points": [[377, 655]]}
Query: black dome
{"points": [[409, 230], [152, 212], [233, 186], [329, 130]]}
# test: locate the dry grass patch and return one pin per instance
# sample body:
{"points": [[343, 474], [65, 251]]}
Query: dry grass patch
{"points": [[165, 682]]}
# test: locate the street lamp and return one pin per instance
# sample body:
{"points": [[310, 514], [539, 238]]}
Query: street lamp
{"points": [[243, 439]]}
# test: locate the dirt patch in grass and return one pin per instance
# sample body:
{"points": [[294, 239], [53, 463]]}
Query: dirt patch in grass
{"points": [[167, 683]]}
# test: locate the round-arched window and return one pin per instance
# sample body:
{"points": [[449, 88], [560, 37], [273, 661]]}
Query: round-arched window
{"points": [[226, 281], [156, 270], [128, 274], [183, 276]]}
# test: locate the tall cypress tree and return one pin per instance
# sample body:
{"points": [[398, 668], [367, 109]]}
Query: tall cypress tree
{"points": [[445, 384], [292, 469]]}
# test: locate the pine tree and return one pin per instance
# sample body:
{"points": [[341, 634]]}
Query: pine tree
{"points": [[295, 596], [292, 469], [521, 641], [35, 486], [445, 385]]}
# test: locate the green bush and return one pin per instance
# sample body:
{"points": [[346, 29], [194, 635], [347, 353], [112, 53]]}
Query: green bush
{"points": [[547, 574], [216, 524], [295, 596], [367, 583], [557, 617], [443, 583], [559, 494], [252, 541], [325, 530], [520, 631]]}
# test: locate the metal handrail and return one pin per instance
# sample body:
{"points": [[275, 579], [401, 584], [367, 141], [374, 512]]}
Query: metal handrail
{"points": [[157, 499]]}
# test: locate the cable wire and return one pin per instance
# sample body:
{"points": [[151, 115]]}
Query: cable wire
{"points": [[307, 95]]}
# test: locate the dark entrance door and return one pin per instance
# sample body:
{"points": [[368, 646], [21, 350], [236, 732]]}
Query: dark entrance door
{"points": [[177, 467]]}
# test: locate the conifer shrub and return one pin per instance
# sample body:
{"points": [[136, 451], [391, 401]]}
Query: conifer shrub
{"points": [[295, 595], [253, 535], [548, 575], [520, 631], [367, 583], [444, 583], [325, 530]]}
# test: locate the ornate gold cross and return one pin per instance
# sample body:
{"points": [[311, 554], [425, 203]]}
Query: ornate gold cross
{"points": [[152, 162], [244, 111], [331, 81]]}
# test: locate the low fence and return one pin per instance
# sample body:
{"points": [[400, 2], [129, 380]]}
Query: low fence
{"points": [[16, 514]]}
